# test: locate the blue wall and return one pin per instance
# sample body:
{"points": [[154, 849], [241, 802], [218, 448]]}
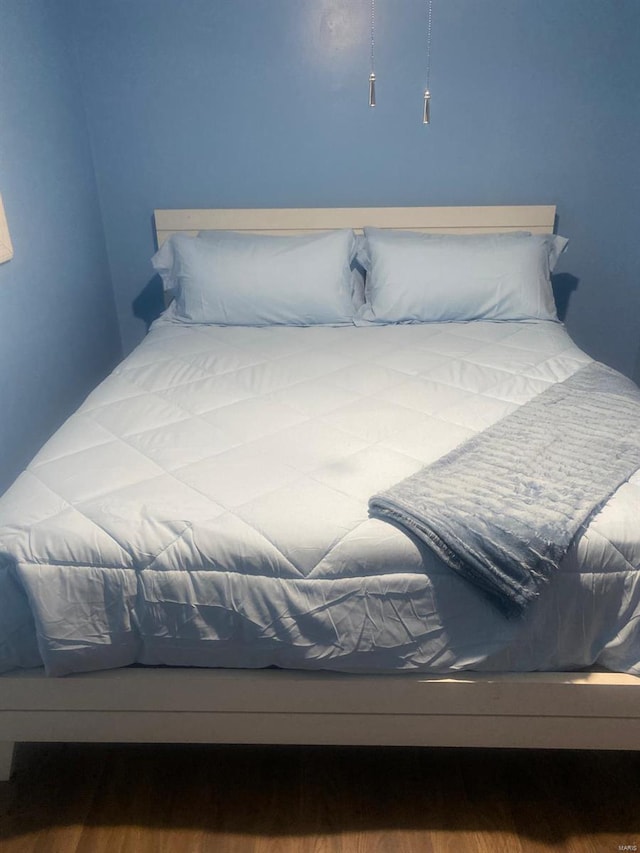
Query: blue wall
{"points": [[201, 103], [263, 102], [58, 330]]}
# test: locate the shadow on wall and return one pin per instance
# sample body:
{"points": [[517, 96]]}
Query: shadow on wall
{"points": [[563, 286], [149, 303]]}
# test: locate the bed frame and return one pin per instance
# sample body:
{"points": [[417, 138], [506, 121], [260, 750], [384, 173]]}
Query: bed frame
{"points": [[585, 710]]}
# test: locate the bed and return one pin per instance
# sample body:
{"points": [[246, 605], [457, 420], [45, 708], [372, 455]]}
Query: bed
{"points": [[312, 418]]}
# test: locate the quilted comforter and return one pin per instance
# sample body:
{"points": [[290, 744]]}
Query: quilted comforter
{"points": [[207, 505]]}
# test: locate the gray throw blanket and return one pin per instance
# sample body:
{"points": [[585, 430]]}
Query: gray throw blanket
{"points": [[503, 508]]}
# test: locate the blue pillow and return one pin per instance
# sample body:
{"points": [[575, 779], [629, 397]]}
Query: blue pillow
{"points": [[232, 278], [413, 277], [357, 270]]}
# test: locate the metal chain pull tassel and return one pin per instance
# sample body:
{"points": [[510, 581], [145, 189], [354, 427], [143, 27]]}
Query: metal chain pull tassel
{"points": [[372, 76], [426, 111], [426, 115]]}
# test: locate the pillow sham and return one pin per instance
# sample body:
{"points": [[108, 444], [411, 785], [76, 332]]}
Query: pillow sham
{"points": [[357, 270], [232, 278], [414, 277]]}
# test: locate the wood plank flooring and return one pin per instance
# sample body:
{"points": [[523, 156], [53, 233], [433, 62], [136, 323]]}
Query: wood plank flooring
{"points": [[243, 799]]}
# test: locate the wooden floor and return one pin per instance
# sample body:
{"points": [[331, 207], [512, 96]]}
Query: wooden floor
{"points": [[177, 799]]}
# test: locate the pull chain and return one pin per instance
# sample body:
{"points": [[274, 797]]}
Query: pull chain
{"points": [[372, 75], [426, 112]]}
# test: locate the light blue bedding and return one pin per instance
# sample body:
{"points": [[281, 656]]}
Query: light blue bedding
{"points": [[208, 505]]}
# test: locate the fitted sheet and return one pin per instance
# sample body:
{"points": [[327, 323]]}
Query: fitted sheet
{"points": [[207, 506]]}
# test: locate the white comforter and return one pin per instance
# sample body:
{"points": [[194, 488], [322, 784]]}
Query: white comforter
{"points": [[207, 505]]}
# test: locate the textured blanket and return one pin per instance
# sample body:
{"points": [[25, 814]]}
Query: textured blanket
{"points": [[503, 508]]}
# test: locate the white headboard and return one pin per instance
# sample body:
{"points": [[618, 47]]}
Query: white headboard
{"points": [[538, 219]]}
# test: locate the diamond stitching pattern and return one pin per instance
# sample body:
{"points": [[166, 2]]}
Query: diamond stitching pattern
{"points": [[240, 421], [466, 361]]}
